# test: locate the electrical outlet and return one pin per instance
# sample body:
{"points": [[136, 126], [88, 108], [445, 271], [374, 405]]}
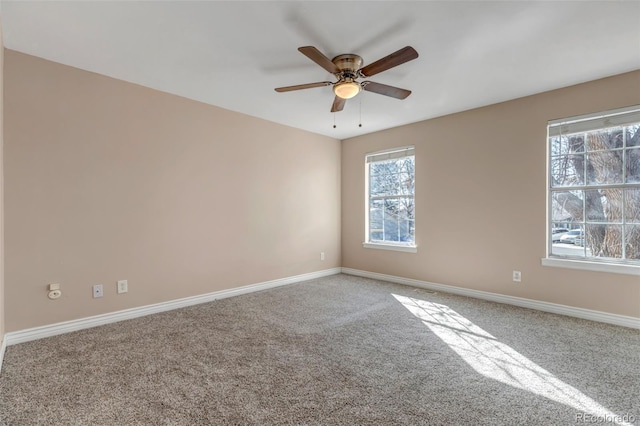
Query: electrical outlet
{"points": [[517, 276], [321, 255], [54, 291], [97, 291], [123, 286]]}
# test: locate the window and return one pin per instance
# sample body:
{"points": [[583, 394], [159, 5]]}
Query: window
{"points": [[390, 214], [594, 189]]}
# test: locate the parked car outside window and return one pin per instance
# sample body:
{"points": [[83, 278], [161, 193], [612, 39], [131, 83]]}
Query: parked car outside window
{"points": [[570, 237], [557, 233]]}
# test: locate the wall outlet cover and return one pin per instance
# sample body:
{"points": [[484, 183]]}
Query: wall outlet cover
{"points": [[123, 286], [97, 291]]}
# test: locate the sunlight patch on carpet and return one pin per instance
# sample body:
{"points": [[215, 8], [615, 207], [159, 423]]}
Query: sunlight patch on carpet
{"points": [[497, 361]]}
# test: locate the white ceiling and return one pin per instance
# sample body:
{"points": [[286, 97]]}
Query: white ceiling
{"points": [[233, 54]]}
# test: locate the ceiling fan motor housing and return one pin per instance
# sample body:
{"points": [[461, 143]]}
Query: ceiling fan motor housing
{"points": [[348, 63]]}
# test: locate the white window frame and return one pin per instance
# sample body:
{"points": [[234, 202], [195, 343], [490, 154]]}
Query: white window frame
{"points": [[572, 125], [405, 151]]}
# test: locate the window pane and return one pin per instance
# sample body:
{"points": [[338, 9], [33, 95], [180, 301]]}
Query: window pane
{"points": [[604, 167], [558, 230], [632, 205], [391, 221], [595, 203], [604, 205], [632, 245], [633, 135], [407, 183], [376, 235], [565, 244], [604, 240], [382, 184], [576, 143], [405, 219], [376, 222], [605, 139], [567, 206], [582, 244], [567, 170], [633, 165], [409, 236], [396, 219], [559, 145], [379, 168]]}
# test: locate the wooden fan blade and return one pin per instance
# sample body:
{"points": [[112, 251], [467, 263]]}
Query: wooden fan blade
{"points": [[318, 57], [338, 104], [403, 55], [383, 89], [303, 86]]}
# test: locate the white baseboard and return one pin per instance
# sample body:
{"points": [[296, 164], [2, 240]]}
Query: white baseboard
{"points": [[622, 320], [35, 333]]}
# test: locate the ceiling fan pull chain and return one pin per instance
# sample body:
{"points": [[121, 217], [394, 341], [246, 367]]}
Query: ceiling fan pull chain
{"points": [[334, 120], [360, 124]]}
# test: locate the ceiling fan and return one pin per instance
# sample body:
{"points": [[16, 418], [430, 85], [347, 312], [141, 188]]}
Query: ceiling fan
{"points": [[348, 68]]}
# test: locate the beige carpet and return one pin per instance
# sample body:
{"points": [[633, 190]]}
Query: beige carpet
{"points": [[338, 350]]}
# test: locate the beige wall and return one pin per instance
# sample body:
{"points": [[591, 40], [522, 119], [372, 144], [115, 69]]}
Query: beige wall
{"points": [[106, 180], [480, 200]]}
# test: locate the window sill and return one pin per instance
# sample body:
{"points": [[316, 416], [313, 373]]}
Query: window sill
{"points": [[614, 268], [392, 247]]}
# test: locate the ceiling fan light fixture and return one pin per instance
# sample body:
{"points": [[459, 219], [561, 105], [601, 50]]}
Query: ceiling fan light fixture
{"points": [[346, 90]]}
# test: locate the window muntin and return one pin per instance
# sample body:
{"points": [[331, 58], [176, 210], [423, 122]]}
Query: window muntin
{"points": [[594, 187], [390, 197]]}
